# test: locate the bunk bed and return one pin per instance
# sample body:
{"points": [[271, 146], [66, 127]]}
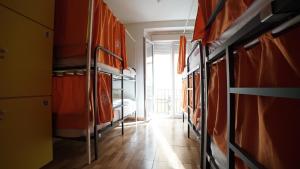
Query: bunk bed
{"points": [[89, 57], [192, 100], [251, 83]]}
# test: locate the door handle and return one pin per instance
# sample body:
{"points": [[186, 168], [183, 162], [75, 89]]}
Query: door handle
{"points": [[45, 103], [2, 53], [1, 115]]}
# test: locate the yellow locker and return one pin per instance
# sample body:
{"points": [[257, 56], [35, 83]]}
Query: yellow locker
{"points": [[41, 11], [25, 133], [25, 56]]}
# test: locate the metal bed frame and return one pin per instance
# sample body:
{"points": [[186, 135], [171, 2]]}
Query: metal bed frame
{"points": [[192, 69], [277, 16], [115, 76], [88, 67]]}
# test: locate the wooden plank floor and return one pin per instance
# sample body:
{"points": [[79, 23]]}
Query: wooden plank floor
{"points": [[160, 144]]}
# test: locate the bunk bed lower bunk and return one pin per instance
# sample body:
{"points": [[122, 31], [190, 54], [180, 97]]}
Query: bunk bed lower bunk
{"points": [[69, 104], [252, 85]]}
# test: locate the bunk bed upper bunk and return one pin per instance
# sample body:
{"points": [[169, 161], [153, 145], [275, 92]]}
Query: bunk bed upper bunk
{"points": [[70, 44], [236, 22], [271, 61]]}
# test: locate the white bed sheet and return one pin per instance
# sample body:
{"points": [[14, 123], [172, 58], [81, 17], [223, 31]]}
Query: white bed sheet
{"points": [[219, 156]]}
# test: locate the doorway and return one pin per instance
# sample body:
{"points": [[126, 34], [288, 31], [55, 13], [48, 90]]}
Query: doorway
{"points": [[166, 83]]}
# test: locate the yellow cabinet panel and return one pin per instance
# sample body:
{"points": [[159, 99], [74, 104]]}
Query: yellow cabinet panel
{"points": [[25, 132], [25, 56], [41, 11]]}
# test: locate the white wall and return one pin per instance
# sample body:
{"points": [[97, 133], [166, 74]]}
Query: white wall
{"points": [[136, 51]]}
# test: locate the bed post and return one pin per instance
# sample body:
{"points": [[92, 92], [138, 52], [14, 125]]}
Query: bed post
{"points": [[88, 78], [230, 107], [188, 97], [194, 98], [202, 101], [96, 110], [122, 95], [204, 147]]}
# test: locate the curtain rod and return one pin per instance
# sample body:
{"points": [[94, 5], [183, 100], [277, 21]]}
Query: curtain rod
{"points": [[131, 37]]}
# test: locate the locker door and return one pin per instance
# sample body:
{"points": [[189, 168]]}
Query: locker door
{"points": [[25, 56], [37, 10], [25, 132]]}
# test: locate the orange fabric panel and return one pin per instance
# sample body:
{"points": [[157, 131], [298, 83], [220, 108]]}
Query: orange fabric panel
{"points": [[266, 127], [197, 113], [184, 95], [71, 19], [98, 25], [123, 46], [195, 116], [109, 33], [117, 48], [272, 122], [217, 105], [182, 55], [203, 14], [104, 22], [71, 26], [120, 45], [69, 103], [231, 11], [104, 98]]}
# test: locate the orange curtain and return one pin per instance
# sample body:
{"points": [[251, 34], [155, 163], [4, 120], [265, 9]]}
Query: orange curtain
{"points": [[203, 14], [120, 45], [104, 98], [123, 46], [272, 123], [231, 11], [217, 105], [117, 48], [182, 55], [71, 20], [71, 26], [69, 103], [109, 33], [103, 33], [266, 127], [197, 113]]}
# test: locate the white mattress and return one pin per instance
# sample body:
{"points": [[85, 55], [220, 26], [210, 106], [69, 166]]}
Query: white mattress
{"points": [[219, 156], [129, 107]]}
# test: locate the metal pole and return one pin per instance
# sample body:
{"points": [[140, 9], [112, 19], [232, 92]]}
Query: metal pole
{"points": [[188, 97], [122, 97], [96, 110], [88, 76], [204, 140], [230, 107]]}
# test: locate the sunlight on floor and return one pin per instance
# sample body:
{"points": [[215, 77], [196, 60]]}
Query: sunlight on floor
{"points": [[172, 158]]}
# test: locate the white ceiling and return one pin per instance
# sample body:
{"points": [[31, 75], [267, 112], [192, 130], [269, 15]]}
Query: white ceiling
{"points": [[133, 11]]}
